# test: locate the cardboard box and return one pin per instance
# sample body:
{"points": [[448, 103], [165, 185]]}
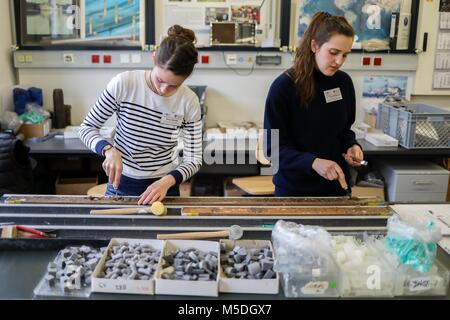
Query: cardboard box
{"points": [[74, 186], [262, 286], [36, 130], [381, 139], [125, 286], [188, 288], [370, 119], [368, 192]]}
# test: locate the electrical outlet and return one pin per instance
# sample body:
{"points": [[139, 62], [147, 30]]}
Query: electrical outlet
{"points": [[68, 58], [231, 59]]}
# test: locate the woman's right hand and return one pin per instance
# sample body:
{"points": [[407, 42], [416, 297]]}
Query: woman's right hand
{"points": [[113, 166], [329, 170]]}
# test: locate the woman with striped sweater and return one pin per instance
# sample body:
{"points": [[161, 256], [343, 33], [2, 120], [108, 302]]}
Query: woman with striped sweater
{"points": [[153, 108]]}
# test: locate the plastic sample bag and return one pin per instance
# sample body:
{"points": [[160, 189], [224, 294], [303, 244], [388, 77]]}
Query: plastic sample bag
{"points": [[414, 244]]}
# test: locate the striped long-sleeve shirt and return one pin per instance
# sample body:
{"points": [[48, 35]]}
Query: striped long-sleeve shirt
{"points": [[148, 128]]}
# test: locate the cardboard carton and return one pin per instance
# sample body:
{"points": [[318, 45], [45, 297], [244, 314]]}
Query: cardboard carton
{"points": [[36, 130]]}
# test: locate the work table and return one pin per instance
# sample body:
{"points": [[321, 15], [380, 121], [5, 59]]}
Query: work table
{"points": [[76, 227]]}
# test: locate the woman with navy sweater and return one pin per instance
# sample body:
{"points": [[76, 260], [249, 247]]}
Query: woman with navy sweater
{"points": [[312, 107], [153, 108]]}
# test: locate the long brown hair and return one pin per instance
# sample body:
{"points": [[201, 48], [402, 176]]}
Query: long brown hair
{"points": [[177, 51], [323, 26]]}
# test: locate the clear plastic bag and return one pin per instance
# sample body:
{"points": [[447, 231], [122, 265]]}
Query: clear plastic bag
{"points": [[10, 121], [300, 247], [35, 114], [413, 243], [304, 260], [371, 179]]}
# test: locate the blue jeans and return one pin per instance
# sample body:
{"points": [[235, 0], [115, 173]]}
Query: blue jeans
{"points": [[130, 187]]}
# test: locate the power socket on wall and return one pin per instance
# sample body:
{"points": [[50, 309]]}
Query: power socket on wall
{"points": [[231, 59]]}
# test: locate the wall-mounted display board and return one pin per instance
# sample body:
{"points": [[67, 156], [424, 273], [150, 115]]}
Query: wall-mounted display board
{"points": [[203, 17], [379, 25], [441, 77], [83, 23]]}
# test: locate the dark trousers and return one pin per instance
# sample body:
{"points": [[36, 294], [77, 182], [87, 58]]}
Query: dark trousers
{"points": [[130, 187]]}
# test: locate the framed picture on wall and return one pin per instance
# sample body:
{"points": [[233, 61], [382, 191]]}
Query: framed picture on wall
{"points": [[113, 19], [42, 21], [84, 23], [371, 20]]}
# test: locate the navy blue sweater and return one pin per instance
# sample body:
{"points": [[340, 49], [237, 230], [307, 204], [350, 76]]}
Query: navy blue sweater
{"points": [[321, 130]]}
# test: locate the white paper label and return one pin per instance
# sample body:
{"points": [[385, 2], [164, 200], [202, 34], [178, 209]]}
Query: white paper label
{"points": [[420, 284], [318, 287], [171, 119], [316, 272], [333, 95]]}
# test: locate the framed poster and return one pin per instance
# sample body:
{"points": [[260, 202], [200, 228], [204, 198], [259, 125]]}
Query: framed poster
{"points": [[42, 21], [84, 23], [199, 15], [371, 19]]}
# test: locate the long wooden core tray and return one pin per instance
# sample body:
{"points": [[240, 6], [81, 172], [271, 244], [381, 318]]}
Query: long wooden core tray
{"points": [[299, 211], [195, 201]]}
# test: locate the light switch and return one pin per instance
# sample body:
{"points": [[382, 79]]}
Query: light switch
{"points": [[28, 59], [136, 58], [124, 58]]}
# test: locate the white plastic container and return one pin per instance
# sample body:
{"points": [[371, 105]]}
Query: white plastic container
{"points": [[410, 282], [317, 282], [257, 286], [188, 288], [125, 286], [364, 271]]}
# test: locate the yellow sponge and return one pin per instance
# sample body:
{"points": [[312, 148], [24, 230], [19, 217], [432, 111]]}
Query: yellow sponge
{"points": [[158, 209]]}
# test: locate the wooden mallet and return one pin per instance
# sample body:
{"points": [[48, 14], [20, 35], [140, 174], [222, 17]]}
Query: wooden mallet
{"points": [[235, 232], [157, 208]]}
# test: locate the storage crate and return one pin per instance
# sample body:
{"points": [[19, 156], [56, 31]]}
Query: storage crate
{"points": [[317, 282], [364, 271], [415, 126], [410, 282]]}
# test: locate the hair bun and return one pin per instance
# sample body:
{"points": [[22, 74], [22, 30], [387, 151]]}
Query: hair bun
{"points": [[179, 31]]}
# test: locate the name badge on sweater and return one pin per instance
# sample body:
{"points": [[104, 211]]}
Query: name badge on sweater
{"points": [[333, 95], [172, 119]]}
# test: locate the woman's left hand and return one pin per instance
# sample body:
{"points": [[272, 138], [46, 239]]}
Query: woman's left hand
{"points": [[157, 190], [354, 156]]}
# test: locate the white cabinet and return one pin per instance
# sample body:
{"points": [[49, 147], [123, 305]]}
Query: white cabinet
{"points": [[417, 181]]}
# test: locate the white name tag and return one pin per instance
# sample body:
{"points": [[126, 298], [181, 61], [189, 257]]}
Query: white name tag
{"points": [[333, 95], [171, 119]]}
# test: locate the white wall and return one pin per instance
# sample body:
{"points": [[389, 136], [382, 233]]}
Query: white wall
{"points": [[438, 101], [7, 78], [229, 97]]}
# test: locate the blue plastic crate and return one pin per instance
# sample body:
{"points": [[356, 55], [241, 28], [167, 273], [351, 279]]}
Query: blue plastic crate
{"points": [[415, 126]]}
